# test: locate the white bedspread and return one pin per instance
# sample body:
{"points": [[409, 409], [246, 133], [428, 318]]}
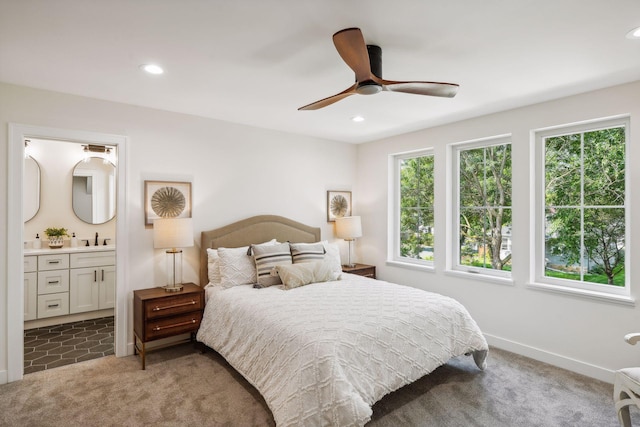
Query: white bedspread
{"points": [[323, 354]]}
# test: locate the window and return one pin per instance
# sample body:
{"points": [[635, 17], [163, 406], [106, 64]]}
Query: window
{"points": [[412, 208], [581, 219], [482, 206]]}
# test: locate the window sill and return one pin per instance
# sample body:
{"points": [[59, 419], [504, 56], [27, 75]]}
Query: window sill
{"points": [[411, 266], [483, 277], [583, 293]]}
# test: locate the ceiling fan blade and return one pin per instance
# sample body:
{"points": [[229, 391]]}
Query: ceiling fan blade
{"points": [[330, 100], [353, 50], [447, 90]]}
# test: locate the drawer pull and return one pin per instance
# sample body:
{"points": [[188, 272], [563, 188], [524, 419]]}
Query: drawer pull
{"points": [[190, 322], [53, 261], [52, 282], [156, 308], [53, 305]]}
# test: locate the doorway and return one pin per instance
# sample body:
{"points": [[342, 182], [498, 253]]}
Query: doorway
{"points": [[16, 238], [69, 291]]}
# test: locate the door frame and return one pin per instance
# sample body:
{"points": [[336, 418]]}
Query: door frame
{"points": [[15, 235]]}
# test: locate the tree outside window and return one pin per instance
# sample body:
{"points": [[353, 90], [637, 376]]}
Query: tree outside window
{"points": [[585, 214], [484, 230], [416, 208]]}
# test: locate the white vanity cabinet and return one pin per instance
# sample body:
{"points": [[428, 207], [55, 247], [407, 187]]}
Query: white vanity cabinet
{"points": [[30, 287], [53, 285], [92, 281], [69, 282]]}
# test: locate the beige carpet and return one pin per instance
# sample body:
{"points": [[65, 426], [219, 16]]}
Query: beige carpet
{"points": [[182, 387]]}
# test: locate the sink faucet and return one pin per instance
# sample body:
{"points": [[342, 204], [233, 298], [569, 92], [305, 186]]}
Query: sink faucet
{"points": [[96, 243]]}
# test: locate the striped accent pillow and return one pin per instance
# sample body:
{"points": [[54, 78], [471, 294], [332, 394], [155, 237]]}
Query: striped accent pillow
{"points": [[307, 252], [267, 258]]}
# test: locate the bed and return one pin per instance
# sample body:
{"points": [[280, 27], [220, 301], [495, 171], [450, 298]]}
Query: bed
{"points": [[323, 353]]}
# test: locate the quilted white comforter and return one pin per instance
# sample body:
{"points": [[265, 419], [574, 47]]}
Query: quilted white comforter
{"points": [[322, 354]]}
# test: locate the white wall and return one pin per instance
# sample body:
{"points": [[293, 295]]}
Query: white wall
{"points": [[236, 172], [576, 333]]}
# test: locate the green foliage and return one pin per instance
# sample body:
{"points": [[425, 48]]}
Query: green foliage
{"points": [[485, 205], [54, 232], [416, 207], [584, 198]]}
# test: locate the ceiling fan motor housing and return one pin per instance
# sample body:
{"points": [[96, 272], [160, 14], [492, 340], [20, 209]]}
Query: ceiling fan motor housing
{"points": [[370, 87]]}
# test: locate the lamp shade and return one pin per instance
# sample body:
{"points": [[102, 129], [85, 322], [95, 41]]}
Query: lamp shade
{"points": [[348, 227], [172, 233]]}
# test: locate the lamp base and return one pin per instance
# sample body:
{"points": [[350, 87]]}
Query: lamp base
{"points": [[349, 265], [173, 288]]}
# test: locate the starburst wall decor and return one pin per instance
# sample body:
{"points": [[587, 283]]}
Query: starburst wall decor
{"points": [[166, 199], [338, 204]]}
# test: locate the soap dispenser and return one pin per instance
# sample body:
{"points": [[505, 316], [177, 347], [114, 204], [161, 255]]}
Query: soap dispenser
{"points": [[37, 244], [74, 240]]}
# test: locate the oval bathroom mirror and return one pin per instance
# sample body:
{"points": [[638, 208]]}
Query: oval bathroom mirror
{"points": [[94, 190], [31, 193]]}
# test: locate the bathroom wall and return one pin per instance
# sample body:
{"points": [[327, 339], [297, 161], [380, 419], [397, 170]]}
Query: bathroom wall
{"points": [[57, 160]]}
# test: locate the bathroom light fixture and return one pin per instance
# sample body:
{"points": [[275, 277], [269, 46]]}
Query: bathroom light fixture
{"points": [[349, 228], [634, 34], [152, 69], [171, 234], [357, 119]]}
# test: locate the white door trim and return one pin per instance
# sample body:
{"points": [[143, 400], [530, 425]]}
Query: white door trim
{"points": [[15, 229]]}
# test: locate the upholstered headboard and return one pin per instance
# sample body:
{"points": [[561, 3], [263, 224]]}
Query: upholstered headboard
{"points": [[256, 229]]}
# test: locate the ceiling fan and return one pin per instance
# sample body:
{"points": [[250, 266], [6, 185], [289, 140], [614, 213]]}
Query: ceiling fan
{"points": [[366, 61]]}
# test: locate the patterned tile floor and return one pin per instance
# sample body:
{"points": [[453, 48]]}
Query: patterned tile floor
{"points": [[59, 345]]}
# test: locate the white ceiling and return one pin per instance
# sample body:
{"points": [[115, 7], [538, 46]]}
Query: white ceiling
{"points": [[256, 61]]}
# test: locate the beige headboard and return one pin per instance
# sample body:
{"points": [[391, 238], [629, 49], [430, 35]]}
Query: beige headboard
{"points": [[256, 229]]}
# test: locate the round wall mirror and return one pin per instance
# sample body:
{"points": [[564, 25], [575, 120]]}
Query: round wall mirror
{"points": [[94, 190], [31, 193]]}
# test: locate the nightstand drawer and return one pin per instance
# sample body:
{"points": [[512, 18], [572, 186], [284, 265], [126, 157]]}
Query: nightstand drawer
{"points": [[170, 326], [171, 305]]}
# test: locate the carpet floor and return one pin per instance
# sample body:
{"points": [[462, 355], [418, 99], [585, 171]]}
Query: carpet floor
{"points": [[183, 387]]}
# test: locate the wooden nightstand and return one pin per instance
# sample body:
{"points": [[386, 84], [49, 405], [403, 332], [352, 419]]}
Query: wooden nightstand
{"points": [[160, 314], [361, 270]]}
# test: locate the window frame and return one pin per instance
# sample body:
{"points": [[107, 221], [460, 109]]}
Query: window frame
{"points": [[538, 202], [393, 246], [453, 259]]}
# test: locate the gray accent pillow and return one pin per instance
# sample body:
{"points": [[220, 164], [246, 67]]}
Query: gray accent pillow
{"points": [[267, 258]]}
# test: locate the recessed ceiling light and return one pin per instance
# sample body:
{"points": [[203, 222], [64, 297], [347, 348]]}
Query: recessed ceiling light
{"points": [[357, 119], [634, 34], [152, 68]]}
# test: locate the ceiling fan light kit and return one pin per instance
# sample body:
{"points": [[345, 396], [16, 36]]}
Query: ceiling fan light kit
{"points": [[366, 62]]}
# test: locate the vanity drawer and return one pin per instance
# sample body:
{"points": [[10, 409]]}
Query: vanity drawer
{"points": [[53, 305], [30, 264], [93, 259], [53, 262], [53, 281]]}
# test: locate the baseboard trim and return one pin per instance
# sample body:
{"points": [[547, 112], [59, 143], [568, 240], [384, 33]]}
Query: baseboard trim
{"points": [[4, 377], [573, 365]]}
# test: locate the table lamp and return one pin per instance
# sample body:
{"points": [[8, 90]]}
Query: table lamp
{"points": [[349, 228], [171, 234]]}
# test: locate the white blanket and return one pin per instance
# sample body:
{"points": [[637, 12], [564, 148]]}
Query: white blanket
{"points": [[324, 353]]}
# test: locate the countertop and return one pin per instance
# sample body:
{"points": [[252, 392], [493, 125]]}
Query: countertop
{"points": [[66, 250]]}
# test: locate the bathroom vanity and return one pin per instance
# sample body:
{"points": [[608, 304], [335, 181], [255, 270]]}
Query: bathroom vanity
{"points": [[68, 284]]}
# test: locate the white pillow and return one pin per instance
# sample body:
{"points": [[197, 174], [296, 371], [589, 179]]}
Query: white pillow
{"points": [[214, 266], [237, 266], [332, 256]]}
